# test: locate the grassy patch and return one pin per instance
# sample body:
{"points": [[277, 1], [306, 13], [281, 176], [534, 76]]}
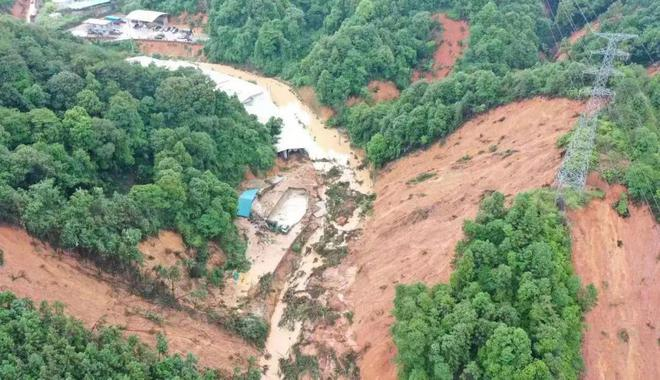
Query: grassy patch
{"points": [[265, 285], [299, 365], [621, 206], [421, 178], [250, 327], [305, 308], [332, 245]]}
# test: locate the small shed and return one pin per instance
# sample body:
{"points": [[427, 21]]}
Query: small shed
{"points": [[245, 202]]}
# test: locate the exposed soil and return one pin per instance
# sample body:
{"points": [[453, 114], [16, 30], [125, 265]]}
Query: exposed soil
{"points": [[451, 43], [308, 96], [20, 9], [266, 248], [171, 49], [653, 69], [621, 257], [380, 91], [575, 37], [416, 224], [166, 249], [383, 91], [195, 21], [33, 269]]}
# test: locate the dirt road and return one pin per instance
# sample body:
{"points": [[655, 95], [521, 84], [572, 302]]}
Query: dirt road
{"points": [[621, 257]]}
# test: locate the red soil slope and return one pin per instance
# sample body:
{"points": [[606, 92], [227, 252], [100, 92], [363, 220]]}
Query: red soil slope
{"points": [[450, 46], [32, 269], [621, 257], [380, 91], [414, 228], [383, 91], [577, 35], [653, 69], [20, 9], [172, 49]]}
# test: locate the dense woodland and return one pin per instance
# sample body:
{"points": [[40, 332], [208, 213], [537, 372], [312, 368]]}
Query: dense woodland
{"points": [[337, 46], [640, 17], [5, 5], [44, 343], [96, 154], [512, 309], [628, 141]]}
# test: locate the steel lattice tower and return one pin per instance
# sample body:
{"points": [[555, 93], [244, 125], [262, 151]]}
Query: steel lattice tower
{"points": [[575, 166]]}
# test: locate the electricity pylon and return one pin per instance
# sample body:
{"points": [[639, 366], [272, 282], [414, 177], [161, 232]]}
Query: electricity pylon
{"points": [[575, 166]]}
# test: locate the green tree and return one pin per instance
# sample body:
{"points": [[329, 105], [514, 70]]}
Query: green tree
{"points": [[63, 88]]}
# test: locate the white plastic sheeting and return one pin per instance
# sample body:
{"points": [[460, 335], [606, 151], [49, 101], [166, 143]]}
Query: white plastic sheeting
{"points": [[257, 101]]}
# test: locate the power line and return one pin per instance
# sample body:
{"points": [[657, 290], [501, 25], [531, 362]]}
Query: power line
{"points": [[575, 166]]}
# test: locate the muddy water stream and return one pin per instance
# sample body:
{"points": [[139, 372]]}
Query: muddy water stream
{"points": [[328, 139], [330, 149], [281, 339]]}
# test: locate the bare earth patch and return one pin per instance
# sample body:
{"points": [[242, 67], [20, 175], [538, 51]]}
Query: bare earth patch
{"points": [[307, 95], [653, 69], [621, 257], [416, 224], [33, 269], [20, 9], [380, 91], [577, 36], [451, 44], [172, 49]]}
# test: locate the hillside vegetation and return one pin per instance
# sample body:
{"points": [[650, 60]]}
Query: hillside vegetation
{"points": [[640, 17], [513, 307], [337, 46], [96, 154]]}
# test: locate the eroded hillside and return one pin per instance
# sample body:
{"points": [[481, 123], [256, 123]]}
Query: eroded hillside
{"points": [[423, 200], [34, 270], [621, 257]]}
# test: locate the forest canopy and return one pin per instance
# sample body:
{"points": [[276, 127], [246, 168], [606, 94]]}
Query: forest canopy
{"points": [[96, 153], [337, 46], [513, 308]]}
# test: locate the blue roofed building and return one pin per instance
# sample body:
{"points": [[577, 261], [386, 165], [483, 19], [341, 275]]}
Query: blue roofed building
{"points": [[245, 202]]}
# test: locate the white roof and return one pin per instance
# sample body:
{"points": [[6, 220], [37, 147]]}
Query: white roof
{"points": [[96, 21], [144, 16]]}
